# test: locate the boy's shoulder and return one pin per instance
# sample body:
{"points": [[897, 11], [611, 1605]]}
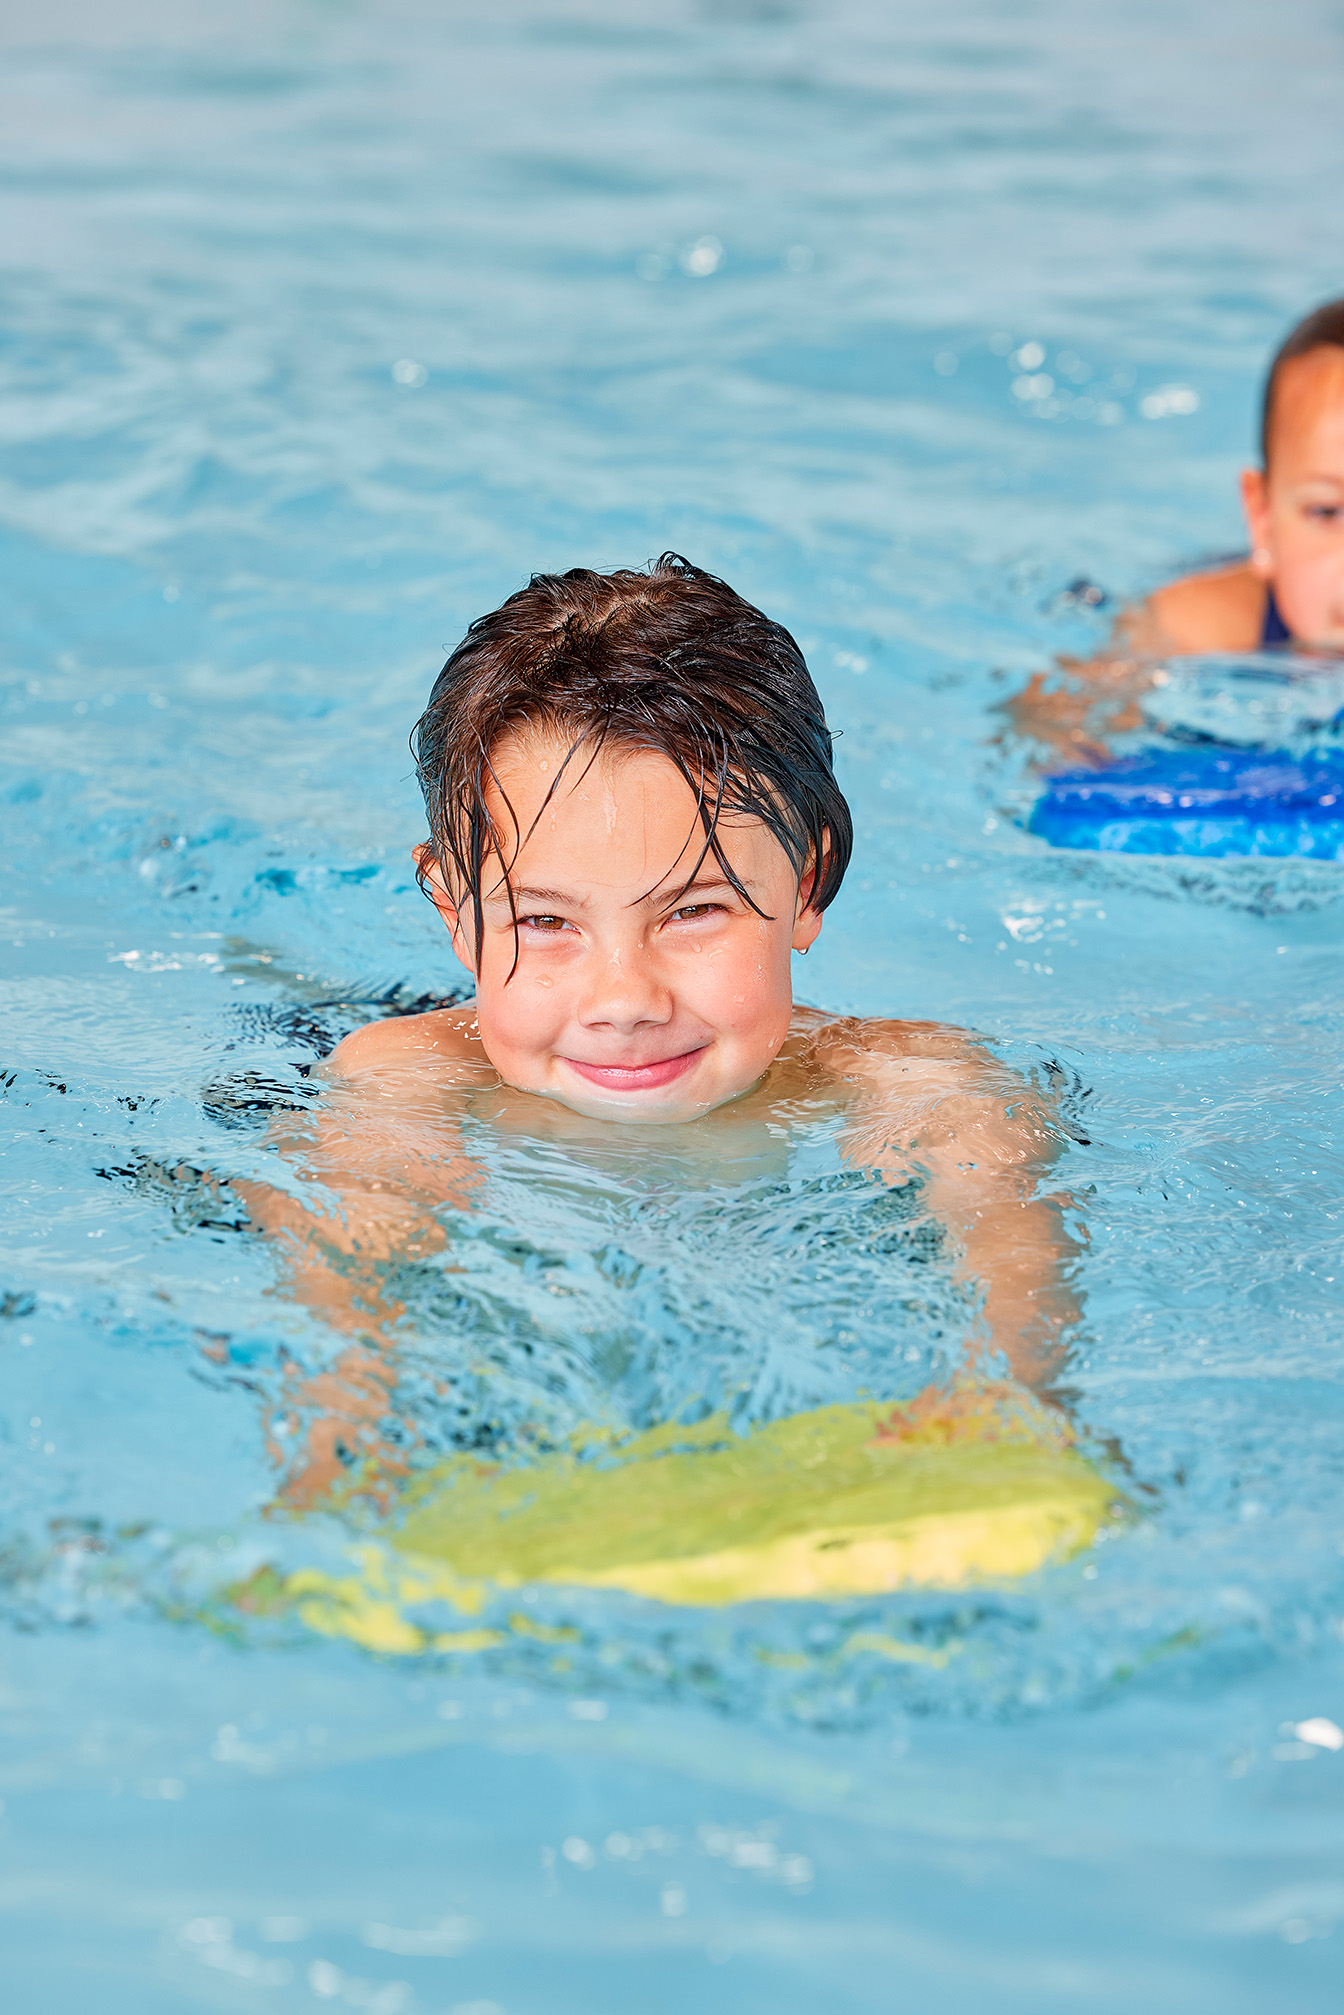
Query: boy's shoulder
{"points": [[1220, 610], [446, 1039], [858, 1047]]}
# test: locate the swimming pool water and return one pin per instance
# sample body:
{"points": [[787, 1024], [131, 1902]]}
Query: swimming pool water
{"points": [[323, 325]]}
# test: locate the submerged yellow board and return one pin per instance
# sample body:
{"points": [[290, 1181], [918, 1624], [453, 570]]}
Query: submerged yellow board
{"points": [[974, 1486], [843, 1501]]}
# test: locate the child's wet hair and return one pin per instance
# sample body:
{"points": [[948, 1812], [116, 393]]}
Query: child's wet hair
{"points": [[1323, 328], [669, 659]]}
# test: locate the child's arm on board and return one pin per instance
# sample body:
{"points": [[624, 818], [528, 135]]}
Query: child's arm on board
{"points": [[1072, 708], [364, 1183], [370, 1163], [930, 1102], [368, 1168]]}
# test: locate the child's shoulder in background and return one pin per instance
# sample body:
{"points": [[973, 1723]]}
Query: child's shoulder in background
{"points": [[1222, 609]]}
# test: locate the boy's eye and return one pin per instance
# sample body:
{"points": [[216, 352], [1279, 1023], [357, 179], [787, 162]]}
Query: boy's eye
{"points": [[544, 923], [1326, 513], [690, 911]]}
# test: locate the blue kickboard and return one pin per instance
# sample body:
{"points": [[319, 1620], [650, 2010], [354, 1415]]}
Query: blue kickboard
{"points": [[1201, 801]]}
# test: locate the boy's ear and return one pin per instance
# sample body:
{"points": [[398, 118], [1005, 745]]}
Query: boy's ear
{"points": [[1255, 504], [807, 920], [432, 877]]}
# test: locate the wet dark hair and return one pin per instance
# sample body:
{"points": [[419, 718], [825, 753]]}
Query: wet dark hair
{"points": [[669, 659], [1323, 328]]}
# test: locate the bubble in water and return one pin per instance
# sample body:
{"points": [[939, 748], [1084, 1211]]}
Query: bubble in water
{"points": [[1167, 400], [702, 258]]}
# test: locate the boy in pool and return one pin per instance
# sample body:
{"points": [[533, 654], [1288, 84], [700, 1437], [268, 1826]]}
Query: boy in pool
{"points": [[1289, 589], [634, 823]]}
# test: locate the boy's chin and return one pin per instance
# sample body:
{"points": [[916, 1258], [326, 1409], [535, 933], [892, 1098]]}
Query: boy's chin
{"points": [[669, 1105]]}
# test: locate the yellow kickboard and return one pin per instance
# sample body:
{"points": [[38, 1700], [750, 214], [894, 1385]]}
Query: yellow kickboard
{"points": [[978, 1485]]}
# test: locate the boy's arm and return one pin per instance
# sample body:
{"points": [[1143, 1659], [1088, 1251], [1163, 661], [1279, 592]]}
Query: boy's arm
{"points": [[1071, 709], [365, 1181], [368, 1169], [932, 1103], [370, 1164]]}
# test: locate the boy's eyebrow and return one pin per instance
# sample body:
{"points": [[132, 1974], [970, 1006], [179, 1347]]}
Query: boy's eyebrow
{"points": [[567, 899], [562, 898], [701, 886]]}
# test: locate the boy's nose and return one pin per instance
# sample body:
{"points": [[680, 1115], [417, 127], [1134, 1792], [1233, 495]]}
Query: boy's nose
{"points": [[624, 994]]}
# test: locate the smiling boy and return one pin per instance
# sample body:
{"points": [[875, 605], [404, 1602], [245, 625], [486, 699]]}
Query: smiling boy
{"points": [[634, 823], [634, 820]]}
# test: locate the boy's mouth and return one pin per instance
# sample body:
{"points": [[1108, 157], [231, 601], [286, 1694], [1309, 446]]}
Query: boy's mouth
{"points": [[637, 1077]]}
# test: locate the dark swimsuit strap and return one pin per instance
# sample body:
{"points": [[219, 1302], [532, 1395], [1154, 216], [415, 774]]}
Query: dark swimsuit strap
{"points": [[1274, 630]]}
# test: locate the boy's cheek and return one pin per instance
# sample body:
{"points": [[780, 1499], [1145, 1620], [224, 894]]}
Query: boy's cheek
{"points": [[520, 1012], [752, 1004], [527, 1016], [1309, 584], [514, 1052]]}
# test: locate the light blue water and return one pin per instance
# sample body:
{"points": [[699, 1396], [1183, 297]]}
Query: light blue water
{"points": [[762, 283]]}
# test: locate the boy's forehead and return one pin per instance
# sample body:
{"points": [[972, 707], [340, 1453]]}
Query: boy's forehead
{"points": [[546, 768], [1307, 418], [620, 811]]}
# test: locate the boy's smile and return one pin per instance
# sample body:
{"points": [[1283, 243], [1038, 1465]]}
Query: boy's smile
{"points": [[637, 1077], [607, 982]]}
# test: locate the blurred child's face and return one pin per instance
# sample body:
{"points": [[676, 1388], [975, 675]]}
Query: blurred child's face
{"points": [[634, 997], [1295, 510]]}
